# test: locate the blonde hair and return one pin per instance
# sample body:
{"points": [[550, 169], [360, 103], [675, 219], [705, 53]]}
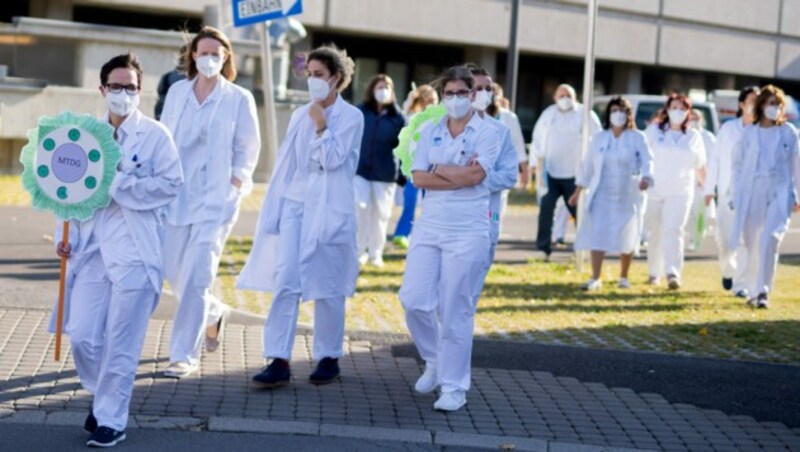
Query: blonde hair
{"points": [[419, 97]]}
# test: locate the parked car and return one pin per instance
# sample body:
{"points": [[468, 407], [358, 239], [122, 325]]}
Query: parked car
{"points": [[645, 105]]}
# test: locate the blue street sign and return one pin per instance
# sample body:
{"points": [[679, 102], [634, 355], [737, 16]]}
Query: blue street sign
{"points": [[247, 12]]}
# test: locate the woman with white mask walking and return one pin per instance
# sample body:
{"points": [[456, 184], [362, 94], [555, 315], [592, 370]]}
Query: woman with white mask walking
{"points": [[679, 161], [215, 126], [305, 241], [451, 241], [765, 185], [618, 166], [376, 176], [732, 262]]}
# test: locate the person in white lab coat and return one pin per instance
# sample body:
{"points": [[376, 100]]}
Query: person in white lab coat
{"points": [[503, 175], [695, 228], [305, 241], [617, 167], [765, 184], [557, 141], [450, 243], [732, 262], [114, 259], [376, 176], [215, 125], [678, 162]]}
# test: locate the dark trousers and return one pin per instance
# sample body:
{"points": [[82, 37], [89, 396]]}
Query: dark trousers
{"points": [[555, 188]]}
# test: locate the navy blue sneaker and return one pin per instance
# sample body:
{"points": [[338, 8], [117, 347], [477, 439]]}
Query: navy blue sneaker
{"points": [[275, 375], [90, 424], [727, 283], [327, 371], [105, 437]]}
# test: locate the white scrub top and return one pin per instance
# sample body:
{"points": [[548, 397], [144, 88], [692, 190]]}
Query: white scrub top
{"points": [[676, 156]]}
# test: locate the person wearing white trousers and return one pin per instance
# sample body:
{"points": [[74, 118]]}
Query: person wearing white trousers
{"points": [[699, 214], [766, 184], [215, 126], [450, 242], [732, 262], [376, 176], [305, 241], [114, 271], [678, 161]]}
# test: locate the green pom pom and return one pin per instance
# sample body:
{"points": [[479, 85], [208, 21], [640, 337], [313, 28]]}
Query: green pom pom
{"points": [[410, 136]]}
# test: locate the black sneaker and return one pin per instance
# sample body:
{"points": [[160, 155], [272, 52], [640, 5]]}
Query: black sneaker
{"points": [[275, 375], [327, 371], [763, 301], [90, 424], [105, 437], [727, 283]]}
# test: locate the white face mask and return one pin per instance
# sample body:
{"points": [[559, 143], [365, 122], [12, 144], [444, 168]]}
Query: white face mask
{"points": [[209, 65], [771, 112], [677, 116], [564, 103], [618, 118], [457, 107], [121, 104], [383, 96], [482, 100], [318, 89]]}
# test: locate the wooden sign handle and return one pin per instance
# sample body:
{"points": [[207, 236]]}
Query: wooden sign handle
{"points": [[61, 288]]}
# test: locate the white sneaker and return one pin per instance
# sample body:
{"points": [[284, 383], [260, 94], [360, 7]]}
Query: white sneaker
{"points": [[451, 401], [376, 262], [592, 284], [362, 260], [624, 283], [654, 281], [180, 370], [426, 383], [673, 282]]}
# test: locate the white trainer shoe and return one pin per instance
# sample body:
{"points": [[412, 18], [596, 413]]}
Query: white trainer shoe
{"points": [[362, 260], [426, 383], [451, 401], [180, 369], [592, 284], [624, 283], [376, 261]]}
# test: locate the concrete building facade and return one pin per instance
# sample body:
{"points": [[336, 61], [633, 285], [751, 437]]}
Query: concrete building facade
{"points": [[51, 50]]}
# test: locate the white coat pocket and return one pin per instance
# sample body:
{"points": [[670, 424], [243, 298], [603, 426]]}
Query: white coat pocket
{"points": [[339, 228], [232, 203]]}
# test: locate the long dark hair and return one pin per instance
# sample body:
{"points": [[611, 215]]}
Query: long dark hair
{"points": [[746, 91], [369, 94], [686, 103], [624, 104]]}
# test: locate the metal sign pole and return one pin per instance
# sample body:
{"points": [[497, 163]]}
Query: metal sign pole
{"points": [[512, 60], [588, 91], [270, 137]]}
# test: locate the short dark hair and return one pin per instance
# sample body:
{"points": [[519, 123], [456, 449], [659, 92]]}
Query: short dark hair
{"points": [[624, 104], [126, 61], [337, 62], [454, 74], [746, 91], [493, 109]]}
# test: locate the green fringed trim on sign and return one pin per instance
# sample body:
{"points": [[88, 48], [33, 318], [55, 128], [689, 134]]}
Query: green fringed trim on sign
{"points": [[410, 134], [112, 154]]}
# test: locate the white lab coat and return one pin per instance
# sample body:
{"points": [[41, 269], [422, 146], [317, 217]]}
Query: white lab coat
{"points": [[636, 152], [449, 251], [541, 131], [763, 202], [669, 201], [327, 255], [733, 263], [115, 268], [510, 119]]}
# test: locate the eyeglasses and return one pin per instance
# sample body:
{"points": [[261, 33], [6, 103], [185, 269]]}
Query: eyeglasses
{"points": [[116, 88], [462, 93]]}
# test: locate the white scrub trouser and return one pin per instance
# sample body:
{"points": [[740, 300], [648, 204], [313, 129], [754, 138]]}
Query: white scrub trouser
{"points": [[281, 324], [763, 217], [732, 263], [665, 220], [191, 261], [374, 202], [443, 272], [107, 326], [561, 220]]}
